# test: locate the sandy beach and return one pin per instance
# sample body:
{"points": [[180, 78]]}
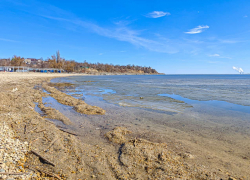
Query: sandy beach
{"points": [[33, 147]]}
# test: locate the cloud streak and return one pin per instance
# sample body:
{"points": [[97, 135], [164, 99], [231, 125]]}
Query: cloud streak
{"points": [[122, 30], [121, 33], [157, 14], [214, 55], [197, 30], [7, 40], [219, 56]]}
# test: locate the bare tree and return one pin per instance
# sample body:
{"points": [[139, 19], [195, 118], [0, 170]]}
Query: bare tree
{"points": [[71, 66], [5, 62], [17, 61], [58, 58]]}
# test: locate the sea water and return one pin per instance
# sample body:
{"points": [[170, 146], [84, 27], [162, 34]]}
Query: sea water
{"points": [[167, 92], [180, 101], [207, 115]]}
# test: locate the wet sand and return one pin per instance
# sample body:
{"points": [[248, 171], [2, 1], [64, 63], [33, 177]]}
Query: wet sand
{"points": [[127, 149]]}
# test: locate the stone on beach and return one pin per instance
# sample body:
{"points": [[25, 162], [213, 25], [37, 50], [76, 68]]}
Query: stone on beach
{"points": [[12, 154]]}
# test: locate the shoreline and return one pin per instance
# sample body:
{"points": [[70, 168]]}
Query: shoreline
{"points": [[71, 158]]}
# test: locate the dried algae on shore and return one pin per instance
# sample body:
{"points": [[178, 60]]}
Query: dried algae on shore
{"points": [[79, 105], [52, 113], [142, 159], [125, 157]]}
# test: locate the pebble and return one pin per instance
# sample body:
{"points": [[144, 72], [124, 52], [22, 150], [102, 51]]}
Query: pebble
{"points": [[11, 154]]}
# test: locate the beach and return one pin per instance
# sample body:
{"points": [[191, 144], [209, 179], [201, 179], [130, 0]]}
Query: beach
{"points": [[53, 150]]}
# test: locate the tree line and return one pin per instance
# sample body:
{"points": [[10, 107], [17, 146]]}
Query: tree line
{"points": [[55, 61]]}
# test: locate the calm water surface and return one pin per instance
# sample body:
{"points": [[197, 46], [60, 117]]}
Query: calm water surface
{"points": [[208, 114], [168, 92], [209, 103]]}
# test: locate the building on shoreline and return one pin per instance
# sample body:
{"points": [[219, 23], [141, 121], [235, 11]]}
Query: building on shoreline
{"points": [[29, 69]]}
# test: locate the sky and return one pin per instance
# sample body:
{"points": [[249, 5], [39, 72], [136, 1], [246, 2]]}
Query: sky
{"points": [[171, 36]]}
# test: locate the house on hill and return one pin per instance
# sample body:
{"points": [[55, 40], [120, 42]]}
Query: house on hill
{"points": [[33, 61]]}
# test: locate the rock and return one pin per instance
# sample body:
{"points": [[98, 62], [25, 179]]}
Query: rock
{"points": [[14, 90]]}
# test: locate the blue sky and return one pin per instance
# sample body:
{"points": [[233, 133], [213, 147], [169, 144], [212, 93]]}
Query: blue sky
{"points": [[172, 36]]}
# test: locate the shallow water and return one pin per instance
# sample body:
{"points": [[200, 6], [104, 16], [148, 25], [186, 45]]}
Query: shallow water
{"points": [[215, 103], [127, 90], [199, 99], [205, 113]]}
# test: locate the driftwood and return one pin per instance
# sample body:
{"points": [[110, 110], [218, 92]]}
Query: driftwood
{"points": [[43, 158], [24, 129], [32, 130], [68, 132], [41, 130]]}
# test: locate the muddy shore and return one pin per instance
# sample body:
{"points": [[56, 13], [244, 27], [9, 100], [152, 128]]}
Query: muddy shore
{"points": [[44, 150]]}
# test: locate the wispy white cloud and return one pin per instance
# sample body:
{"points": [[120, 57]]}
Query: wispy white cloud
{"points": [[8, 40], [100, 54], [121, 33], [212, 62], [122, 22], [214, 55], [122, 30], [245, 16], [197, 30], [157, 14], [54, 18], [215, 62], [219, 56]]}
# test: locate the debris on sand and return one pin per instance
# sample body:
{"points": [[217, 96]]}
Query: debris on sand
{"points": [[152, 160], [61, 84], [60, 154], [52, 113], [117, 135]]}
